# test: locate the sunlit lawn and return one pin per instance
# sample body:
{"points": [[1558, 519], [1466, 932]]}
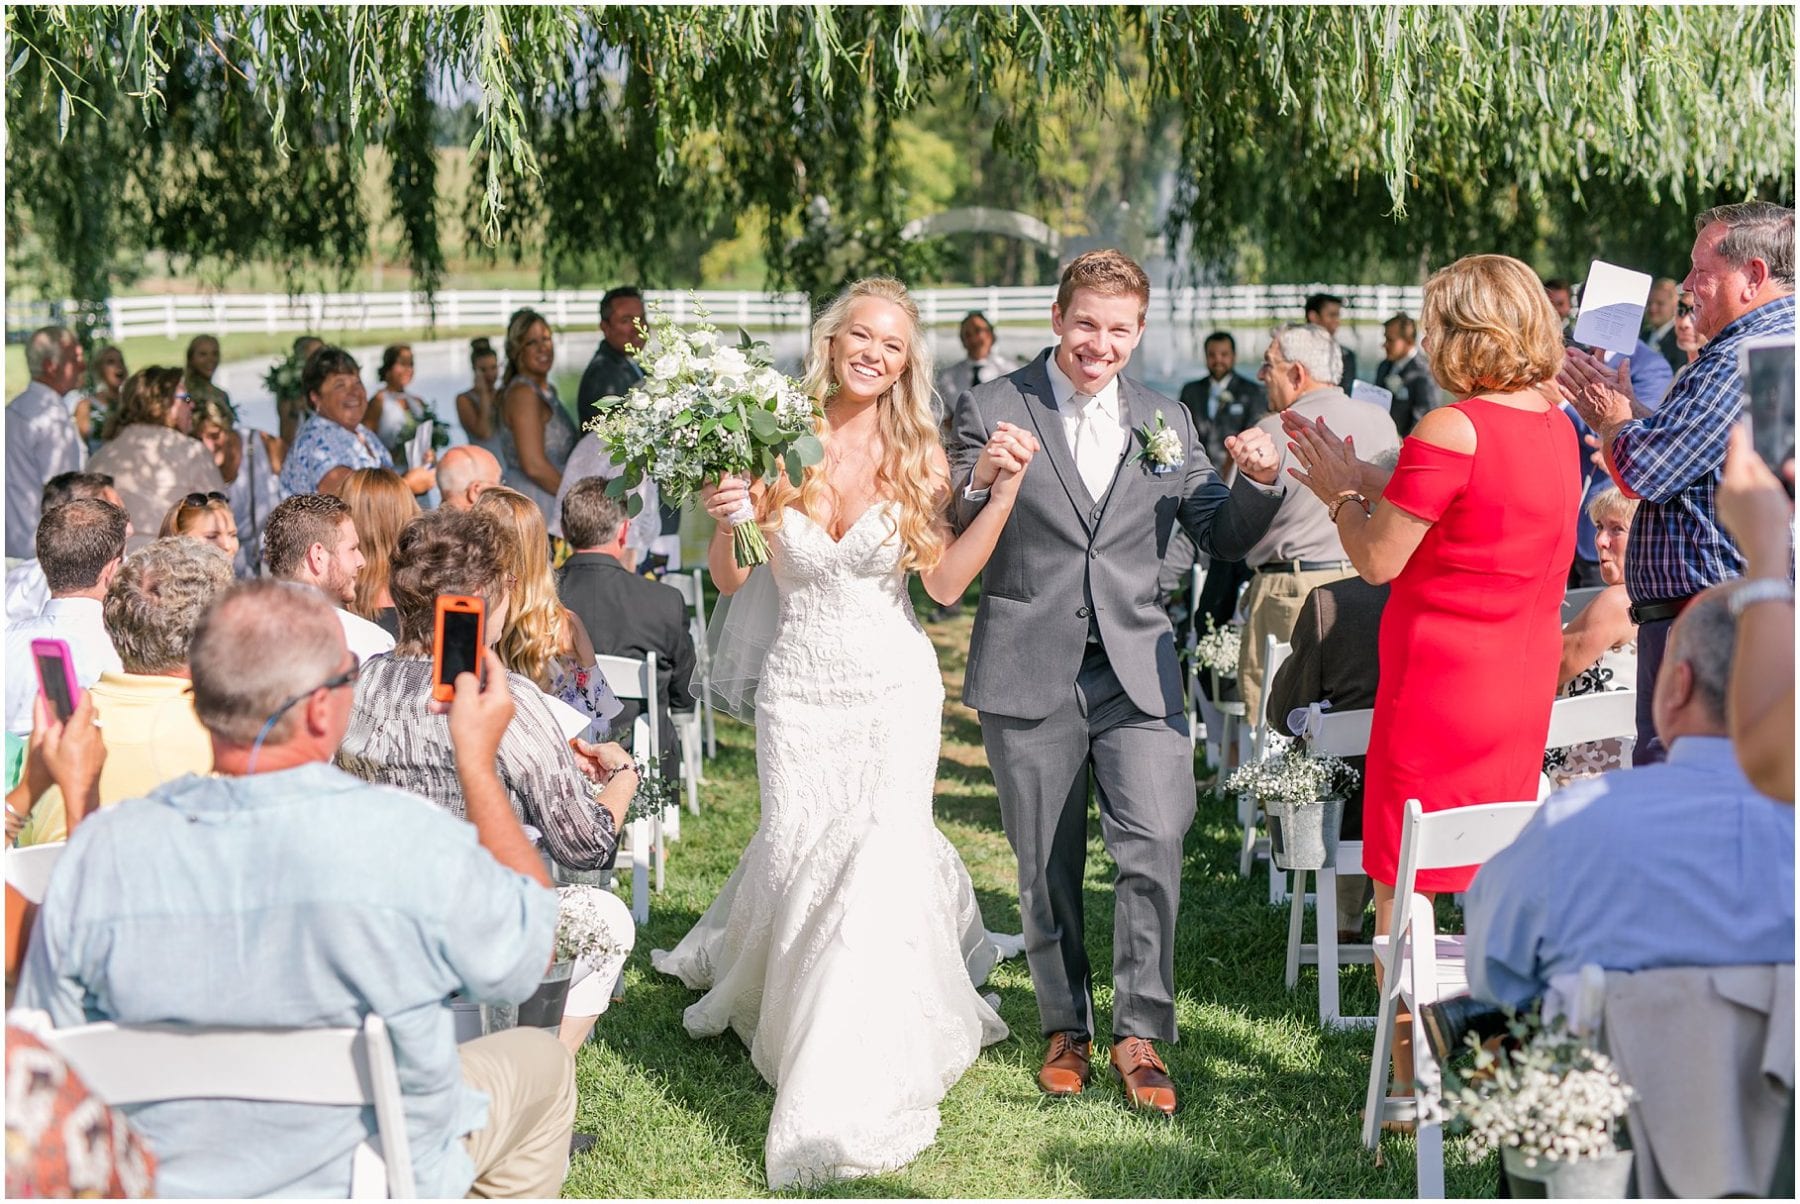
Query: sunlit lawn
{"points": [[1270, 1103]]}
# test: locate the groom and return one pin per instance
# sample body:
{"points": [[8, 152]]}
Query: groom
{"points": [[1072, 662]]}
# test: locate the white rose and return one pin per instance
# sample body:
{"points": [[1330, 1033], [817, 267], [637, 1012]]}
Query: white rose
{"points": [[667, 366], [703, 339], [729, 361]]}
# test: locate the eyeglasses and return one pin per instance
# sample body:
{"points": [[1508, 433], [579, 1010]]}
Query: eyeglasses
{"points": [[334, 682], [199, 500]]}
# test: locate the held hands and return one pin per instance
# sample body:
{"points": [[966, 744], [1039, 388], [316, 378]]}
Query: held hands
{"points": [[1255, 455], [1003, 461], [1753, 506], [1602, 396], [1331, 466], [480, 714]]}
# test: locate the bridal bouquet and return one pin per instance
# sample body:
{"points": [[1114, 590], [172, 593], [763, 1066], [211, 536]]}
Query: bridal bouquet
{"points": [[705, 410]]}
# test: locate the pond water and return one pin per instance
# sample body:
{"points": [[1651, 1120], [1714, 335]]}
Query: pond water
{"points": [[1165, 360]]}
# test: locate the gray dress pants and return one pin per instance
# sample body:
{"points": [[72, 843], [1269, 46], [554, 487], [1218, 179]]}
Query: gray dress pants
{"points": [[1142, 770]]}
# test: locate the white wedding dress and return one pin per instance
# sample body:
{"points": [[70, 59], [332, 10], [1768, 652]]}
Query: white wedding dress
{"points": [[847, 946]]}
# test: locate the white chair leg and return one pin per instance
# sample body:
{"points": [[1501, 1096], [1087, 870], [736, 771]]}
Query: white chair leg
{"points": [[1296, 927], [1375, 1101], [671, 822], [640, 871], [1325, 918], [662, 849], [1278, 885]]}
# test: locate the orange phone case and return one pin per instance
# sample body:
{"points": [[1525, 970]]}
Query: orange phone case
{"points": [[460, 604]]}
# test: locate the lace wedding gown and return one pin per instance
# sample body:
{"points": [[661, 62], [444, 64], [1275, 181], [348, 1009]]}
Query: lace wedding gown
{"points": [[846, 948]]}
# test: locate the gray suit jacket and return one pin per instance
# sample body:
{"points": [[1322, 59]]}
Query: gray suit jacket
{"points": [[1067, 559]]}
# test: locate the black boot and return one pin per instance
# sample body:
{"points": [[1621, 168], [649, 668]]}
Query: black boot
{"points": [[1448, 1021]]}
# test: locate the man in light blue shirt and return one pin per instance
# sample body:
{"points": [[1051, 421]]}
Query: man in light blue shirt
{"points": [[1676, 864], [282, 892]]}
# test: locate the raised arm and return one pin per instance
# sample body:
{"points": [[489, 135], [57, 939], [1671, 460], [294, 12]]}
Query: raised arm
{"points": [[1007, 455], [968, 437], [722, 501]]}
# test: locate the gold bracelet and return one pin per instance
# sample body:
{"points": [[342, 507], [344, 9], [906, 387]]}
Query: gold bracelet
{"points": [[1331, 510]]}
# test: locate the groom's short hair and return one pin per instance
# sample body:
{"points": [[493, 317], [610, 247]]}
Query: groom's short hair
{"points": [[1109, 272]]}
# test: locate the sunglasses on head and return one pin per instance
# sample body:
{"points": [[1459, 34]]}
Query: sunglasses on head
{"points": [[201, 499]]}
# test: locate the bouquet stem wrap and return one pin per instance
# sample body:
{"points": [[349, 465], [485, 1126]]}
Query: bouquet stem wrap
{"points": [[747, 542]]}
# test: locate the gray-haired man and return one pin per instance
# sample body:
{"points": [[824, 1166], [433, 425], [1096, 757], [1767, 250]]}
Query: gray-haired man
{"points": [[41, 439]]}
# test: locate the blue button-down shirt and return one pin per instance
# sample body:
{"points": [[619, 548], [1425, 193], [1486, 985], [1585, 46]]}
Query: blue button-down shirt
{"points": [[1673, 458], [305, 898], [323, 445], [1677, 864]]}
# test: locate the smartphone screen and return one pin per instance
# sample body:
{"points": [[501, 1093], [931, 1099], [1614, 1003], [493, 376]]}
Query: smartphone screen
{"points": [[459, 649], [53, 674], [1768, 366]]}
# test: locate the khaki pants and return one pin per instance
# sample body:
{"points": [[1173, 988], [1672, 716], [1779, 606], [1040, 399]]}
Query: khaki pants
{"points": [[529, 1079], [1272, 603]]}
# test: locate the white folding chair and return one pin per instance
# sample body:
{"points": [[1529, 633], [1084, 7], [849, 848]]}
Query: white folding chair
{"points": [[698, 738], [1196, 578], [1576, 600], [1593, 717], [636, 680], [349, 1067], [1336, 734], [28, 869], [1421, 966], [1262, 744]]}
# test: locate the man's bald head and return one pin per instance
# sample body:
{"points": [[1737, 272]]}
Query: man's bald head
{"points": [[1694, 682], [463, 472]]}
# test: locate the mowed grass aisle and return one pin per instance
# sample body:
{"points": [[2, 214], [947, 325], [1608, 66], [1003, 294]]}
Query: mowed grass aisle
{"points": [[1270, 1103]]}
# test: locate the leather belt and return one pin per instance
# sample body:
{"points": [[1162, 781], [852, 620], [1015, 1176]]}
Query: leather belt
{"points": [[1305, 566], [1658, 609]]}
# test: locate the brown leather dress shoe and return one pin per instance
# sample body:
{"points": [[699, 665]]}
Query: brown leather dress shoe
{"points": [[1066, 1064], [1146, 1079]]}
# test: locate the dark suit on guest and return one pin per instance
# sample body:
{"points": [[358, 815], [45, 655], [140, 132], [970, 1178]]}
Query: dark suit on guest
{"points": [[1336, 659], [1349, 377], [628, 615], [1241, 405], [1415, 393], [612, 373]]}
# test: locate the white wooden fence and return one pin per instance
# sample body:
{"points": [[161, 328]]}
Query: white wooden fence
{"points": [[176, 317]]}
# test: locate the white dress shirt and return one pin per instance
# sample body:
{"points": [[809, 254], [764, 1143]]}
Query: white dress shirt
{"points": [[41, 442], [364, 638], [80, 623], [26, 591], [1095, 428]]}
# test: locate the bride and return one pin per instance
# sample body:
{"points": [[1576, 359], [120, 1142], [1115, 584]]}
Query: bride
{"points": [[846, 948]]}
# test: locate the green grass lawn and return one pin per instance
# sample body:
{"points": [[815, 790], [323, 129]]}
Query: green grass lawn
{"points": [[1270, 1103]]}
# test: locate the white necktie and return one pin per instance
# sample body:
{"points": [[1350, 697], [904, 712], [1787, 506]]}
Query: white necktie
{"points": [[1094, 459]]}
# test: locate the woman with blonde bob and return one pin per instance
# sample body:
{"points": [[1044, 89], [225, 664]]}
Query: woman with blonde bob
{"points": [[1475, 529], [543, 639], [381, 504], [847, 948], [206, 517]]}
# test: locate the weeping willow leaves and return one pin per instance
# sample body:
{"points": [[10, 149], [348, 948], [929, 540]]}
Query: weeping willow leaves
{"points": [[607, 133]]}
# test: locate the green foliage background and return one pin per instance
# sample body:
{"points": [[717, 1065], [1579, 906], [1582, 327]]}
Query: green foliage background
{"points": [[1298, 142]]}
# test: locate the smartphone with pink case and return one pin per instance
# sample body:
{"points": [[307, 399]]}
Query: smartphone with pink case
{"points": [[56, 676]]}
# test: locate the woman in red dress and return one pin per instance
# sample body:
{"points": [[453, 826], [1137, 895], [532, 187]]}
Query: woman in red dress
{"points": [[1475, 529]]}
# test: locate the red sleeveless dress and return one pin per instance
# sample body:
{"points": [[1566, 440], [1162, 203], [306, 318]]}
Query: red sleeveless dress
{"points": [[1472, 634]]}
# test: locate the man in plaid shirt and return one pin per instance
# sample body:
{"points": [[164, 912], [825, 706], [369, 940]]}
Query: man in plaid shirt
{"points": [[1743, 286]]}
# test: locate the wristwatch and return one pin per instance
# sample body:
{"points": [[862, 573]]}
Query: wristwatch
{"points": [[1763, 589]]}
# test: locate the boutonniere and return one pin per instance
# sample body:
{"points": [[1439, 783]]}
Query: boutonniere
{"points": [[1162, 449]]}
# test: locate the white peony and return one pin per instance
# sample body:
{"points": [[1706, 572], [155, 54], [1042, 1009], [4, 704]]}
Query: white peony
{"points": [[729, 361]]}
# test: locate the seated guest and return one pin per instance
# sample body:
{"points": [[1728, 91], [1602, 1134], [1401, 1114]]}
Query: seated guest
{"points": [[545, 640], [629, 615], [380, 505], [573, 794], [206, 517], [333, 442], [267, 896], [1600, 643], [80, 546], [26, 588], [1336, 659], [146, 708], [152, 456], [1675, 864], [463, 472], [311, 540]]}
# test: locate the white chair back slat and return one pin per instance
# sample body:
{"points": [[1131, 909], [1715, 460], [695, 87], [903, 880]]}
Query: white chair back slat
{"points": [[1275, 654], [345, 1067], [28, 869], [1338, 733], [636, 680], [1459, 836], [1593, 717]]}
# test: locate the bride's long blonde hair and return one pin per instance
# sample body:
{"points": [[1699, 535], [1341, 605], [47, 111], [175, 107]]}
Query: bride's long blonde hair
{"points": [[909, 433]]}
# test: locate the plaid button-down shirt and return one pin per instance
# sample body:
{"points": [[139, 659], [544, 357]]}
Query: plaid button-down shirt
{"points": [[1672, 460]]}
